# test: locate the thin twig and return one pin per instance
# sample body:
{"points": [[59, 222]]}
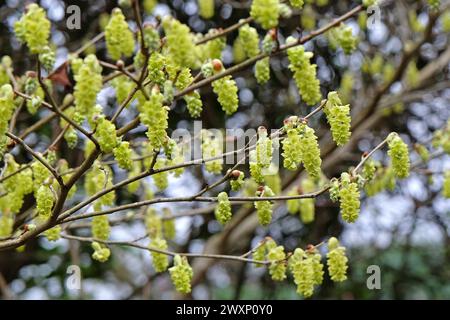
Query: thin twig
{"points": [[124, 104], [91, 42], [65, 217], [224, 32], [166, 252], [137, 16], [38, 157], [64, 116], [366, 157], [12, 123]]}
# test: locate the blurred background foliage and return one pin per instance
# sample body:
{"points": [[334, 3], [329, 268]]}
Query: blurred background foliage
{"points": [[405, 232]]}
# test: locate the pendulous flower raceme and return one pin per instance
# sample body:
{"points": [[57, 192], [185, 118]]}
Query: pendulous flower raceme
{"points": [[211, 147], [310, 152], [262, 70], [369, 170], [154, 115], [161, 179], [338, 116], [7, 107], [122, 153], [33, 28], [336, 261], [277, 267], [272, 179], [180, 44], [238, 51], [119, 38], [301, 146], [181, 77], [264, 208], [349, 198], [317, 266], [33, 89], [12, 202], [100, 227], [265, 12], [105, 134], [181, 274], [346, 39], [156, 65], [306, 206], [303, 272], [249, 38], [206, 8], [223, 209], [44, 201], [291, 145], [88, 80], [304, 73], [151, 37], [160, 260], [47, 58], [6, 224], [256, 170], [346, 86], [293, 205], [168, 224], [35, 103], [207, 69], [31, 83], [308, 17], [194, 104], [53, 234], [307, 269], [40, 174], [398, 151], [153, 224], [297, 3], [226, 90], [259, 254], [101, 252], [263, 148], [446, 185], [5, 66]]}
